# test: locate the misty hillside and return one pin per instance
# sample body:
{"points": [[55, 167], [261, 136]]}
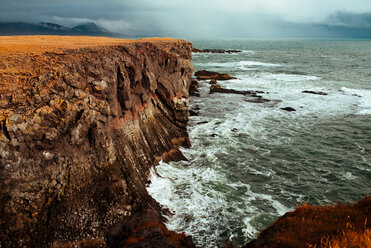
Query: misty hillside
{"points": [[44, 28]]}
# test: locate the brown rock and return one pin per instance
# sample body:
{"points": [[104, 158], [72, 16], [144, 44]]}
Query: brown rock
{"points": [[213, 81], [87, 119], [194, 113], [205, 75], [146, 229], [193, 89]]}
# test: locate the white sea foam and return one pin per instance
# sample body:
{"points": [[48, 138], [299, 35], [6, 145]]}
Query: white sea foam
{"points": [[348, 176], [290, 77], [199, 199], [364, 99], [215, 190], [239, 64], [248, 51]]}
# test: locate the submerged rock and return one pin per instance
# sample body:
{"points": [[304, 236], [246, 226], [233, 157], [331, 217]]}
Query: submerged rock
{"points": [[193, 89], [205, 75], [195, 50], [194, 113], [289, 109], [219, 89], [315, 92], [257, 99]]}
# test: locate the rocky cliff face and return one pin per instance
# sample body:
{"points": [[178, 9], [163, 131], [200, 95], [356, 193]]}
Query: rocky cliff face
{"points": [[82, 123]]}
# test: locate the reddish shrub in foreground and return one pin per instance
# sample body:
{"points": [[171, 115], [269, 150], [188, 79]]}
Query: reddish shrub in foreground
{"points": [[310, 226]]}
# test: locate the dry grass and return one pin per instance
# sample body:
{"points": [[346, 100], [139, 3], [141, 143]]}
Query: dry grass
{"points": [[350, 239], [326, 227], [51, 43]]}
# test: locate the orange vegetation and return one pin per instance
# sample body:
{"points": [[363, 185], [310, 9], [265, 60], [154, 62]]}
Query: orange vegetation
{"points": [[349, 239], [327, 227], [45, 43]]}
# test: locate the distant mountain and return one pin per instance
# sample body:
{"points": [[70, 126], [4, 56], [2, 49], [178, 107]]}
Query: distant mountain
{"points": [[45, 28], [284, 29], [89, 27]]}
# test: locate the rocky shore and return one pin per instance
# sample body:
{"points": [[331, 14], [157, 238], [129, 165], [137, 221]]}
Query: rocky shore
{"points": [[83, 120], [340, 225]]}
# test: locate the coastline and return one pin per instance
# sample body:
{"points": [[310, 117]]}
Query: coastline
{"points": [[83, 119], [82, 124]]}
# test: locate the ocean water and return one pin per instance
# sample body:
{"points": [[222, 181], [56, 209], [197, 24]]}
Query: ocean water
{"points": [[251, 162]]}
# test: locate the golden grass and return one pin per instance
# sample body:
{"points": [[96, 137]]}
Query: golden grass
{"points": [[349, 239], [52, 43], [326, 227]]}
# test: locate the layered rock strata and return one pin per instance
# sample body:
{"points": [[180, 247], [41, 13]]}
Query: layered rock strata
{"points": [[82, 122]]}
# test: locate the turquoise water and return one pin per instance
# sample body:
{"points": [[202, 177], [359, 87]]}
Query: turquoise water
{"points": [[252, 162]]}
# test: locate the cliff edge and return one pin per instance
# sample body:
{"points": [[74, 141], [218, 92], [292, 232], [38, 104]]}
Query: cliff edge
{"points": [[82, 122]]}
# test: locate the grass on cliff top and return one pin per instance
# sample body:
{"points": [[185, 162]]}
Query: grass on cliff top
{"points": [[52, 43], [349, 239], [322, 227]]}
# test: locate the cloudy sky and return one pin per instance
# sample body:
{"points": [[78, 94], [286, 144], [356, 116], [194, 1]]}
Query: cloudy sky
{"points": [[190, 17]]}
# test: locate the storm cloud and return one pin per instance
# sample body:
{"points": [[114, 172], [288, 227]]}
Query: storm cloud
{"points": [[193, 17]]}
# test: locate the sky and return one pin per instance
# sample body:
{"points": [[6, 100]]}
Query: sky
{"points": [[190, 17]]}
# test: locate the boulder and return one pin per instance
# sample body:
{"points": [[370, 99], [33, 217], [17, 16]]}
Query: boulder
{"points": [[193, 89], [194, 113], [213, 81]]}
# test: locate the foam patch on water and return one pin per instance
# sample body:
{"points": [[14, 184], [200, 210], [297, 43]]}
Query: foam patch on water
{"points": [[364, 99], [240, 64], [290, 77], [204, 201], [249, 51], [348, 176]]}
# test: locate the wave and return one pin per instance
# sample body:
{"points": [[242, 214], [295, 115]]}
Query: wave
{"points": [[239, 64], [364, 101], [290, 77], [200, 199]]}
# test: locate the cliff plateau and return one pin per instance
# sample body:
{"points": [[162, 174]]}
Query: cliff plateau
{"points": [[82, 122]]}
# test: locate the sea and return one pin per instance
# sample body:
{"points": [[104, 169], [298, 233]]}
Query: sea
{"points": [[250, 163]]}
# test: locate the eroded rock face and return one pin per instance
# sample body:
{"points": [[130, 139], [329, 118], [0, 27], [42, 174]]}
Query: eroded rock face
{"points": [[80, 130]]}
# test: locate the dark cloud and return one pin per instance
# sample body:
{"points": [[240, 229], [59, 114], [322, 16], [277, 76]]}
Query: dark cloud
{"points": [[191, 17]]}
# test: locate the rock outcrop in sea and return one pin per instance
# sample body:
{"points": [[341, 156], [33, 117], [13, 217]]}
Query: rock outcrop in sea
{"points": [[82, 122]]}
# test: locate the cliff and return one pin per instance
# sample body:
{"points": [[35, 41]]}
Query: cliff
{"points": [[82, 122]]}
